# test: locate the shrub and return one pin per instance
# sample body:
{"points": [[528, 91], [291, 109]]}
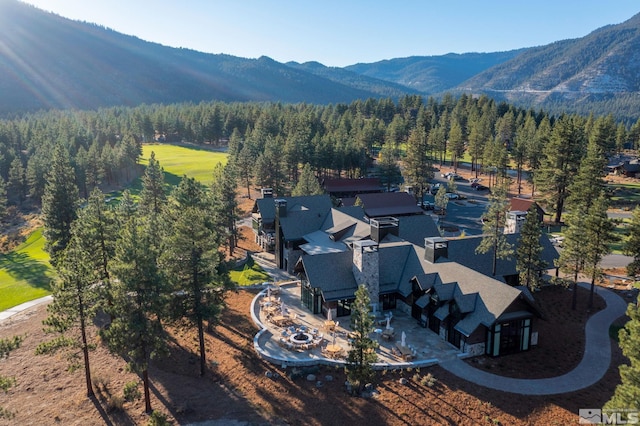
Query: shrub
{"points": [[131, 392], [428, 380], [115, 403], [158, 419]]}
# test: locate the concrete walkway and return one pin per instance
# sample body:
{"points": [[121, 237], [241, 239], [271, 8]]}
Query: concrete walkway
{"points": [[17, 309], [594, 364]]}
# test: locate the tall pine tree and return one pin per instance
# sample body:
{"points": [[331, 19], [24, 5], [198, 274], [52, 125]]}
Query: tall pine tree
{"points": [[529, 251], [59, 203], [493, 238]]}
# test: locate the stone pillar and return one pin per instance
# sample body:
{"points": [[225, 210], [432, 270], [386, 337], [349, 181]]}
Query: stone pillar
{"points": [[366, 268]]}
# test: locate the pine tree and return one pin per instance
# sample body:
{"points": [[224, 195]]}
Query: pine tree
{"points": [[573, 255], [225, 206], [493, 238], [528, 252], [139, 298], [627, 393], [417, 170], [17, 182], [192, 262], [588, 184], [632, 244], [388, 164], [441, 200], [560, 160], [308, 183], [59, 204], [598, 237], [362, 354], [152, 195], [3, 199], [75, 296]]}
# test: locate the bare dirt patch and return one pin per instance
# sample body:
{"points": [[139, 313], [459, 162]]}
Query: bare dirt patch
{"points": [[236, 386]]}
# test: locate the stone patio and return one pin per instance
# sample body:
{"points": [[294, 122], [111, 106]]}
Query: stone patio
{"points": [[430, 349]]}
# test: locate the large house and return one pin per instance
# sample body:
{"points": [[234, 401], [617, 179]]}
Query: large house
{"points": [[405, 265]]}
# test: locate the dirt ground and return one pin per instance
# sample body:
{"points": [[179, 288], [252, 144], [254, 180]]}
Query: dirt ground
{"points": [[238, 391]]}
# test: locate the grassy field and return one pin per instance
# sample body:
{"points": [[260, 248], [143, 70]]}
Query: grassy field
{"points": [[249, 274], [178, 161], [25, 273]]}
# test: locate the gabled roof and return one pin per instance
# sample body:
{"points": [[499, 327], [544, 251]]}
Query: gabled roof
{"points": [[332, 273], [315, 203], [351, 185], [523, 204], [463, 252], [389, 204]]}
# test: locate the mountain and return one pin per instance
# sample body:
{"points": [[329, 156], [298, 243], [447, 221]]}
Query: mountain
{"points": [[603, 65], [47, 61], [433, 74], [362, 81]]}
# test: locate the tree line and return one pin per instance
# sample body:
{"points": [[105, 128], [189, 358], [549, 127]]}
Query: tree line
{"points": [[269, 142], [143, 265]]}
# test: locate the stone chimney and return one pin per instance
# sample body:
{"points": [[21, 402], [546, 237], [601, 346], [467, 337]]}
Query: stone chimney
{"points": [[383, 226], [435, 248], [366, 268]]}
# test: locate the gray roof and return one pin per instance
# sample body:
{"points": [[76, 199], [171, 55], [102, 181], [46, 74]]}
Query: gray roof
{"points": [[463, 251], [416, 228], [267, 208], [389, 204], [332, 273]]}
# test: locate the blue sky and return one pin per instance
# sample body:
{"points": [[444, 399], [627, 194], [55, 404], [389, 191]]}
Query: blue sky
{"points": [[345, 32]]}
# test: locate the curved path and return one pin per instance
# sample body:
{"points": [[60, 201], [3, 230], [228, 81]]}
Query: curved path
{"points": [[592, 367]]}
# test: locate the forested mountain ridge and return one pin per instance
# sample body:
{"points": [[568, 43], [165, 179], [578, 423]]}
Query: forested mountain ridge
{"points": [[433, 74], [606, 60], [47, 61]]}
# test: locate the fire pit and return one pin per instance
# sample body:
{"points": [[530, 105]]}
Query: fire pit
{"points": [[300, 338]]}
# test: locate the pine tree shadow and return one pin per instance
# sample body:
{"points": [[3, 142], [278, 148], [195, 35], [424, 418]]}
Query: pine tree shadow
{"points": [[23, 267]]}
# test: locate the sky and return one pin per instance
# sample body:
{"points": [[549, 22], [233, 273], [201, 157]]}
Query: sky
{"points": [[344, 32]]}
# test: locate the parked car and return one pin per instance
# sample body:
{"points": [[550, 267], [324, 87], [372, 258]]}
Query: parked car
{"points": [[480, 187], [427, 205], [452, 196], [434, 188], [474, 180]]}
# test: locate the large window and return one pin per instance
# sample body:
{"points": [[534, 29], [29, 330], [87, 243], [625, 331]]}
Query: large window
{"points": [[344, 307], [509, 337], [311, 298], [388, 301]]}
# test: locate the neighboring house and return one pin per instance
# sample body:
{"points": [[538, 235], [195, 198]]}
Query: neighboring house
{"points": [[389, 204], [440, 282], [524, 204], [349, 188]]}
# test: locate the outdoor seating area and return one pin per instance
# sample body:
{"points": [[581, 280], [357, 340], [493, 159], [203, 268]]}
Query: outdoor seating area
{"points": [[300, 336]]}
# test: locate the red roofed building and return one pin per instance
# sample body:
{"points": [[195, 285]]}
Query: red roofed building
{"points": [[523, 205], [348, 188]]}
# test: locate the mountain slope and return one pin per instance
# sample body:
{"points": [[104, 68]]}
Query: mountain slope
{"points": [[433, 74], [356, 80], [607, 61], [48, 61]]}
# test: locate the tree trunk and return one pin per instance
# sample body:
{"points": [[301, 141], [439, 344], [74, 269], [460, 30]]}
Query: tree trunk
{"points": [[85, 352], [147, 396], [203, 356], [593, 286], [574, 300]]}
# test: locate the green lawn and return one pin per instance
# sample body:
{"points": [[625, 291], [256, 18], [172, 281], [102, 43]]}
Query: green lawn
{"points": [[25, 273], [179, 161], [249, 274]]}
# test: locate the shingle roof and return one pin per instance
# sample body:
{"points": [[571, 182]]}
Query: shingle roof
{"points": [[463, 251], [352, 185], [267, 208], [389, 204], [332, 273]]}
